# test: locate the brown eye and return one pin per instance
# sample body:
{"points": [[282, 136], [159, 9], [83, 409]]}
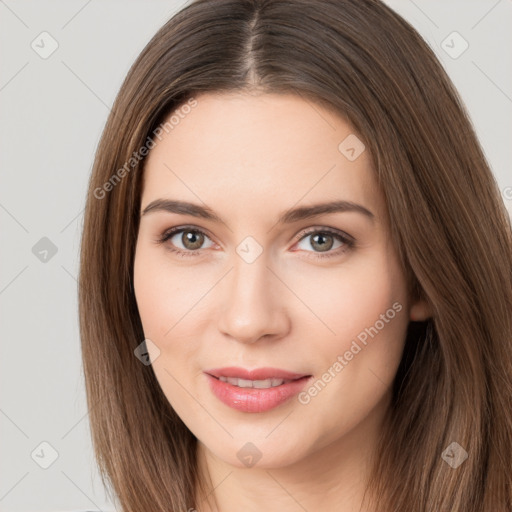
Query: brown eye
{"points": [[192, 240], [185, 241], [322, 241]]}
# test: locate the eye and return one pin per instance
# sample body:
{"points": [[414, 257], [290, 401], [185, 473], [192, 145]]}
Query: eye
{"points": [[188, 241], [323, 240], [191, 240]]}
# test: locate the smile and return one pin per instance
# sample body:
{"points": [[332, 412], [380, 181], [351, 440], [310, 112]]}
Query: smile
{"points": [[257, 390], [260, 384]]}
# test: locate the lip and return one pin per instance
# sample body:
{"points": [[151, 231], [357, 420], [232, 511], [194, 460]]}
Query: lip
{"points": [[256, 374], [255, 399]]}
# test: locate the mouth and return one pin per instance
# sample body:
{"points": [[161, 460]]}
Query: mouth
{"points": [[258, 384], [256, 390]]}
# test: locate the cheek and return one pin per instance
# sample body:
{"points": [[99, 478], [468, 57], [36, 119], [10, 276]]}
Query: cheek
{"points": [[374, 334], [350, 298], [163, 301], [378, 305], [367, 311], [365, 307], [161, 294], [149, 294], [171, 301]]}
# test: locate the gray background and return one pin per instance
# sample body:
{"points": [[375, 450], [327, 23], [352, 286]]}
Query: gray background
{"points": [[52, 113]]}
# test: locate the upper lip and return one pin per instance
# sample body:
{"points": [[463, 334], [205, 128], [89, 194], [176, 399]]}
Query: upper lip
{"points": [[256, 374]]}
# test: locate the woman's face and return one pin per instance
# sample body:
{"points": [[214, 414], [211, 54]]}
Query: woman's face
{"points": [[259, 284]]}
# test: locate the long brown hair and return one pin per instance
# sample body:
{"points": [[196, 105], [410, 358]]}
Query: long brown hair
{"points": [[448, 222]]}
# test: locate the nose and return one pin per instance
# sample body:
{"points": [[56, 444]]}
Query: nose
{"points": [[253, 303]]}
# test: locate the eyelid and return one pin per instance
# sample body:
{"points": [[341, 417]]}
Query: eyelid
{"points": [[185, 227], [324, 229]]}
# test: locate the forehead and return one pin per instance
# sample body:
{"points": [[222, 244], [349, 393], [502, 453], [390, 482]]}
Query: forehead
{"points": [[257, 150]]}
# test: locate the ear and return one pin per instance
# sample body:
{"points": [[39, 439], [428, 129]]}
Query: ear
{"points": [[420, 311]]}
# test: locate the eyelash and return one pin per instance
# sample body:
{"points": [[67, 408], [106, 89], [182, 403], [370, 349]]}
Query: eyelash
{"points": [[349, 242]]}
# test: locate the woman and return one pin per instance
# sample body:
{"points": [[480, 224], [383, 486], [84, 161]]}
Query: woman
{"points": [[230, 364]]}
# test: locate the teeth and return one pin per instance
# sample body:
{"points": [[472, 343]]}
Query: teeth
{"points": [[259, 384]]}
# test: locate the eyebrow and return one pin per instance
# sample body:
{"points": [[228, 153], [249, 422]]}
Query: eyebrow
{"points": [[288, 217]]}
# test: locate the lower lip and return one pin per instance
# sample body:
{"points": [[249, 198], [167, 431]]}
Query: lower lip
{"points": [[252, 399]]}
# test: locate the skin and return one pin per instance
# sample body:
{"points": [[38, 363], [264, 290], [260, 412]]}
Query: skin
{"points": [[250, 157]]}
